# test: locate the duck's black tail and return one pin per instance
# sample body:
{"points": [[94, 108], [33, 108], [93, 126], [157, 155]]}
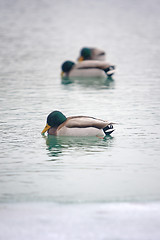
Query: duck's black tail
{"points": [[110, 70], [108, 129]]}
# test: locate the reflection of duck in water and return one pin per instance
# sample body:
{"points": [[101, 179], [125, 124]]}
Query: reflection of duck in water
{"points": [[91, 82], [60, 145], [87, 53], [59, 125], [53, 146], [87, 68]]}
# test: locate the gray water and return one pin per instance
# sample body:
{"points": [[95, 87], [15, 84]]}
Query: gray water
{"points": [[79, 188]]}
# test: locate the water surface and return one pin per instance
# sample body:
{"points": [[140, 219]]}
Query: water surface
{"points": [[119, 174]]}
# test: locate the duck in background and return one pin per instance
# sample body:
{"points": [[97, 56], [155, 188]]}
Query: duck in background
{"points": [[60, 125], [87, 68], [87, 53]]}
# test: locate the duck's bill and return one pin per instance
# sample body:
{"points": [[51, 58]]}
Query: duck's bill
{"points": [[46, 128], [80, 59]]}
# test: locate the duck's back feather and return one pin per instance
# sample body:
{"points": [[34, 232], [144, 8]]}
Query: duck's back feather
{"points": [[98, 54], [84, 122], [92, 64]]}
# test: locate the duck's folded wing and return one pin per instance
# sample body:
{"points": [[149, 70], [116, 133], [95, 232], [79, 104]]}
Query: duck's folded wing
{"points": [[84, 122], [92, 64]]}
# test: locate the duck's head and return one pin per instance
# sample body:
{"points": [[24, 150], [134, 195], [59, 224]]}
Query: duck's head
{"points": [[85, 54], [54, 119], [67, 66]]}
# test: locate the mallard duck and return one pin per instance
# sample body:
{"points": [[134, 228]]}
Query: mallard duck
{"points": [[87, 68], [60, 125], [87, 53]]}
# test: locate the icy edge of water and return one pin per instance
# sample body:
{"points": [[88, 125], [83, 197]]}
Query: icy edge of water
{"points": [[80, 221]]}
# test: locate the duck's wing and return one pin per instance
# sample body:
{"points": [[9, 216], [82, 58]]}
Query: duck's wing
{"points": [[84, 122], [92, 64]]}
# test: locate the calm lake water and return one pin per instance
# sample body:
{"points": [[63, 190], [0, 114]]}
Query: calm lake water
{"points": [[79, 188]]}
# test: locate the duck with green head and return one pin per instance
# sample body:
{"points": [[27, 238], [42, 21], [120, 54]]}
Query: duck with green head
{"points": [[87, 68], [60, 125], [88, 53]]}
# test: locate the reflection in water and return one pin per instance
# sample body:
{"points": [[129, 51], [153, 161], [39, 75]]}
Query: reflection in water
{"points": [[53, 147], [66, 80], [60, 145], [94, 82]]}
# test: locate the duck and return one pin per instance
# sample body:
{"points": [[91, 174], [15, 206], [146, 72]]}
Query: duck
{"points": [[87, 68], [87, 53], [60, 125]]}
